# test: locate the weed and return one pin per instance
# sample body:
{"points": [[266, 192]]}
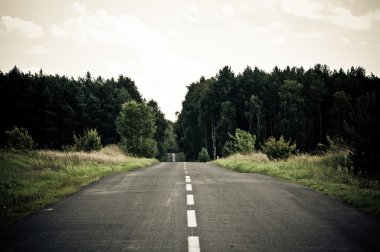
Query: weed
{"points": [[330, 173], [30, 181]]}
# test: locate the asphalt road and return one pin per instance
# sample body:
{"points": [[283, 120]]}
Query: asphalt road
{"points": [[152, 209]]}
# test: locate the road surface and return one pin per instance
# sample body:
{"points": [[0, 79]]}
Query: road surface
{"points": [[194, 207]]}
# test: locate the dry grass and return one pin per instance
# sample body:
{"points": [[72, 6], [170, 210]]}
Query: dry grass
{"points": [[109, 154], [254, 157], [31, 181], [328, 173]]}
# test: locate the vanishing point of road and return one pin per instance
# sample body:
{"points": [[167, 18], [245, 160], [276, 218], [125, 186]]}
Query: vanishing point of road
{"points": [[194, 207]]}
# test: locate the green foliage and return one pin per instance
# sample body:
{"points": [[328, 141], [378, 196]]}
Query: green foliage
{"points": [[340, 114], [242, 142], [254, 106], [89, 141], [52, 107], [278, 149], [303, 105], [324, 173], [292, 104], [164, 135], [336, 144], [148, 148], [203, 155], [364, 134], [32, 181], [18, 139], [170, 142], [136, 127]]}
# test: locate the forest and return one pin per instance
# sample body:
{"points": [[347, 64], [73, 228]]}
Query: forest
{"points": [[54, 108], [307, 107]]}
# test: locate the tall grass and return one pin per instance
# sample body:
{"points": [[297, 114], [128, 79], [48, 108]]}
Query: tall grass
{"points": [[30, 181], [327, 173]]}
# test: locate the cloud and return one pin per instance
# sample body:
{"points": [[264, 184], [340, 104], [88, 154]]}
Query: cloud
{"points": [[332, 13], [78, 7], [308, 34], [37, 50], [100, 27], [358, 8], [193, 13], [25, 28], [228, 10], [123, 44], [278, 40], [303, 8], [346, 40]]}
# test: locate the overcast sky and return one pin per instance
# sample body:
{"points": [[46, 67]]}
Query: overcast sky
{"points": [[165, 45]]}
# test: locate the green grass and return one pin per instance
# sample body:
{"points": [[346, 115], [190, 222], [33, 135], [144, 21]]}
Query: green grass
{"points": [[32, 181], [323, 173]]}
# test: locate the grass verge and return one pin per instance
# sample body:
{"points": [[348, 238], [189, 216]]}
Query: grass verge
{"points": [[32, 181], [323, 173]]}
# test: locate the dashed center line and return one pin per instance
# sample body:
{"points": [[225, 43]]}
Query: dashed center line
{"points": [[191, 219], [190, 199], [189, 187], [193, 242]]}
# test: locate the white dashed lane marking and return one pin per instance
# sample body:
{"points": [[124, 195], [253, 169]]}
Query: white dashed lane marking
{"points": [[193, 242], [189, 187], [190, 199], [191, 219]]}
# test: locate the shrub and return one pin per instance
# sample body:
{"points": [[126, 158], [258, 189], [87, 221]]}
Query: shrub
{"points": [[203, 155], [336, 144], [19, 139], [242, 142], [90, 141], [278, 149], [146, 148]]}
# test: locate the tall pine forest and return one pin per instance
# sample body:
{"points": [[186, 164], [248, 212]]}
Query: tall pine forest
{"points": [[53, 108], [306, 106]]}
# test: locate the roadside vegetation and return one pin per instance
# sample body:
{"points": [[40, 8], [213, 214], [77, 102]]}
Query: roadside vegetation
{"points": [[55, 109], [327, 173], [35, 179], [291, 105]]}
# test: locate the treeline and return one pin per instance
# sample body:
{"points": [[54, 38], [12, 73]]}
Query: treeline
{"points": [[305, 106], [53, 108]]}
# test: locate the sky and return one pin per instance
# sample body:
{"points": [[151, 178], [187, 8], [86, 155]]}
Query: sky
{"points": [[165, 45]]}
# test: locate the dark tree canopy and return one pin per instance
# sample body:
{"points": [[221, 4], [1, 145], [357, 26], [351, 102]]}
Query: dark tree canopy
{"points": [[53, 108], [304, 106]]}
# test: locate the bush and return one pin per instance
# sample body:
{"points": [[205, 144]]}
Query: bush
{"points": [[336, 144], [147, 148], [90, 141], [278, 149], [203, 155], [19, 139], [242, 142]]}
